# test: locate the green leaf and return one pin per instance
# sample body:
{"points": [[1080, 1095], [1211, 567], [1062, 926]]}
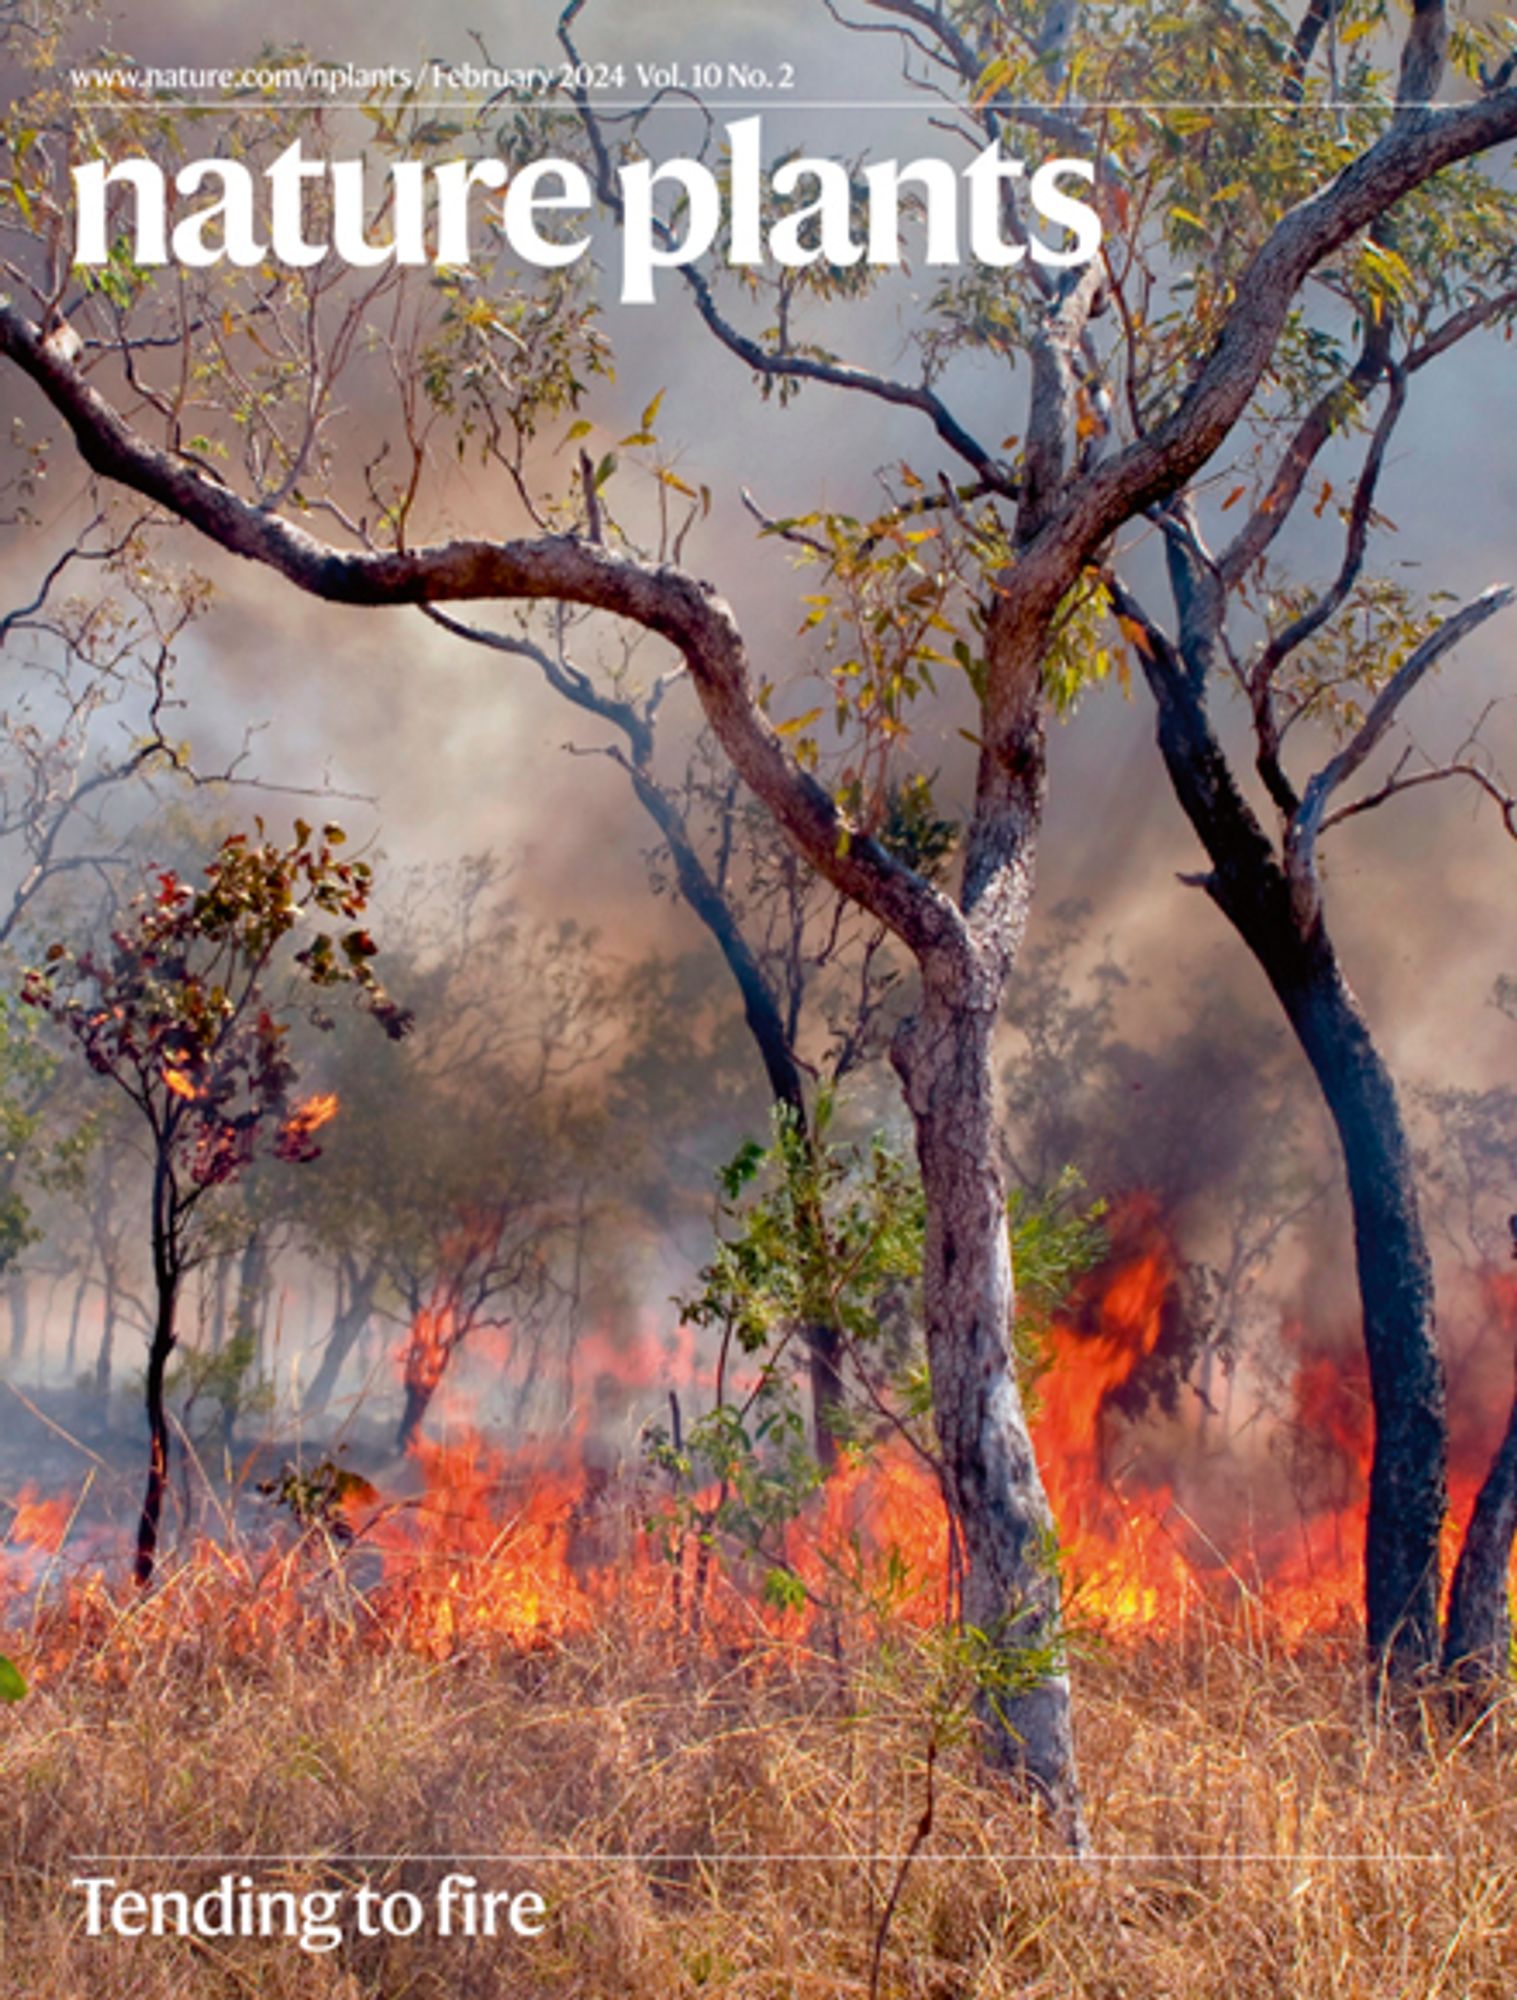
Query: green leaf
{"points": [[12, 1685], [797, 723], [784, 1590]]}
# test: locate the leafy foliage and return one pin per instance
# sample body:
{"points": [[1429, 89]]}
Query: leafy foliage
{"points": [[176, 1012], [822, 1231]]}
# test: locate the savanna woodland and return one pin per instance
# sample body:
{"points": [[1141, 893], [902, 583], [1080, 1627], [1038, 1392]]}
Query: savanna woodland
{"points": [[755, 1058]]}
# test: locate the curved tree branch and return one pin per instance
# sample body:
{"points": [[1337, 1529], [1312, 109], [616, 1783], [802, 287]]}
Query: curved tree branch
{"points": [[660, 598]]}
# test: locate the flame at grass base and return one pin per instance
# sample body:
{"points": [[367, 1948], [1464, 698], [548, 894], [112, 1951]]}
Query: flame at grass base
{"points": [[1170, 1514]]}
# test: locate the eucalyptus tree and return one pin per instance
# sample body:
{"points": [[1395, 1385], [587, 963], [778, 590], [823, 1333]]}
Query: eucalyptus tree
{"points": [[1056, 411], [1323, 668]]}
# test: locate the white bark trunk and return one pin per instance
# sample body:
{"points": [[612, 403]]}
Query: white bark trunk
{"points": [[1011, 1586]]}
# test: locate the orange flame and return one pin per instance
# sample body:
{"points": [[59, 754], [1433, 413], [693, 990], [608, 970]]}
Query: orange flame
{"points": [[39, 1524], [1160, 1512], [310, 1115]]}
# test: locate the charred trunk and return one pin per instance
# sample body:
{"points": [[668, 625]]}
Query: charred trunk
{"points": [[158, 1429], [1408, 1496], [418, 1398], [167, 1274], [1407, 1476], [1011, 1585], [1477, 1644]]}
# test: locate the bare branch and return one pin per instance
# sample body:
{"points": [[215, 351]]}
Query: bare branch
{"points": [[1302, 835], [1405, 781], [1466, 321], [782, 529], [1316, 427], [1301, 629]]}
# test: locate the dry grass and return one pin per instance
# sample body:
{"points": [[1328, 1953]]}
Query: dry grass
{"points": [[1261, 1836]]}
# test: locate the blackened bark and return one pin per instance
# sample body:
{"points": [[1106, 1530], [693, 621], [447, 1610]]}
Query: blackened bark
{"points": [[1478, 1639], [166, 1281], [158, 1438], [944, 1056], [1407, 1496], [418, 1400]]}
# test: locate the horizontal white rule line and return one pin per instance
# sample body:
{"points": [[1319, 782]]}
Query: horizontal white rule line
{"points": [[879, 1860], [936, 108]]}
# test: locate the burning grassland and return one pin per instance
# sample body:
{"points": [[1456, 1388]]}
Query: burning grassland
{"points": [[737, 1828], [531, 1652], [1242, 1509]]}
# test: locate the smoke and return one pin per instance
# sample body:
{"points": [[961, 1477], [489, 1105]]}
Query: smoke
{"points": [[432, 749]]}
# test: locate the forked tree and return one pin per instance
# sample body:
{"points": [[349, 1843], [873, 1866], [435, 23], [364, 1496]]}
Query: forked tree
{"points": [[1058, 409], [1324, 669]]}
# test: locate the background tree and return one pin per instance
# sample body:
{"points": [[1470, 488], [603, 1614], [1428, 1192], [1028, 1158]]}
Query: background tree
{"points": [[178, 1014], [1012, 550], [465, 1165], [791, 944]]}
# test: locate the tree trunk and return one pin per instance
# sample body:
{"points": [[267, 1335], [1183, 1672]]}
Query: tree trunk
{"points": [[1408, 1495], [1477, 1642], [20, 1290], [824, 1359], [166, 1281], [1407, 1474], [158, 1429], [252, 1295], [418, 1398], [106, 1353], [347, 1329], [771, 1037], [1011, 1584], [76, 1314], [219, 1289]]}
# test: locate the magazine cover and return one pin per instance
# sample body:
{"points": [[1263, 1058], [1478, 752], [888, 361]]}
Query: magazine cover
{"points": [[757, 1014]]}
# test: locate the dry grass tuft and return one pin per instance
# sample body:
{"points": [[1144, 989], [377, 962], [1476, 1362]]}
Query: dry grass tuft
{"points": [[1261, 1835]]}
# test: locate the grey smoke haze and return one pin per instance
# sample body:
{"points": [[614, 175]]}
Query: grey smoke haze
{"points": [[460, 751]]}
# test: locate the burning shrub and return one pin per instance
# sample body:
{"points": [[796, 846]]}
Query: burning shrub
{"points": [[175, 1014]]}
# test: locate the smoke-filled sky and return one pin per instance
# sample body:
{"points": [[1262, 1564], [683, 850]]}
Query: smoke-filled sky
{"points": [[459, 750]]}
